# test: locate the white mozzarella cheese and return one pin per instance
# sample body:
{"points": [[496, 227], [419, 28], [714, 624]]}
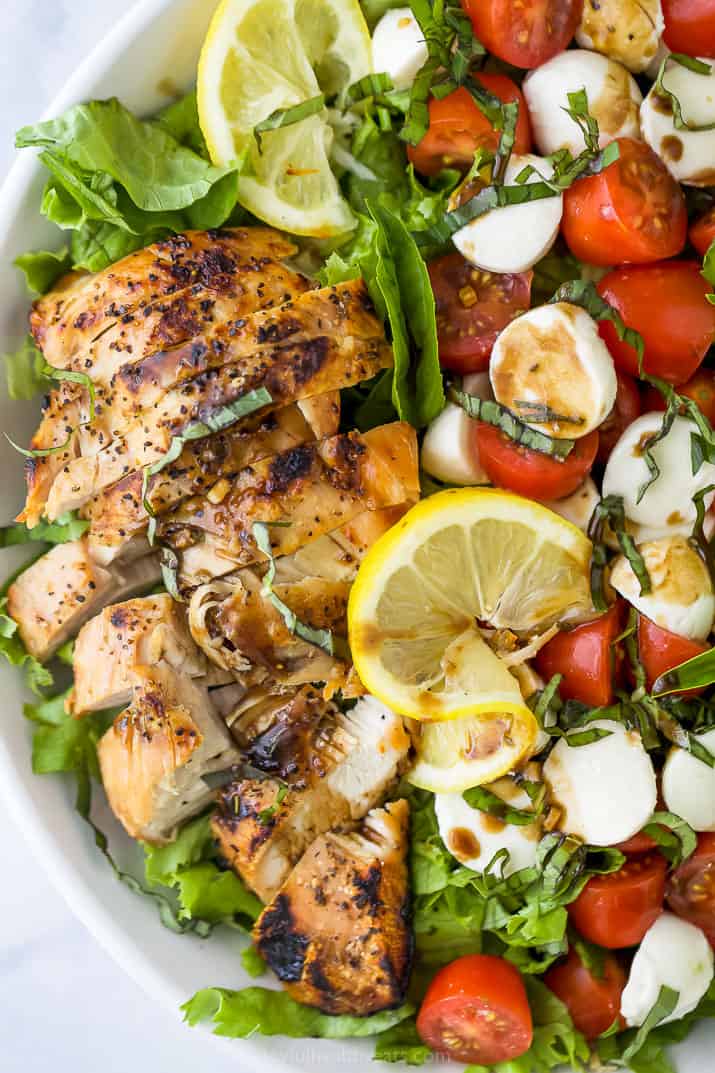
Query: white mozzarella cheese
{"points": [[553, 357], [579, 506], [613, 100], [449, 449], [607, 789], [689, 154], [513, 238], [681, 598], [668, 502], [474, 837], [398, 47], [672, 954], [688, 785], [628, 31]]}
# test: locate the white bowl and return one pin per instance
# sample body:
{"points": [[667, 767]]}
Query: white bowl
{"points": [[158, 40]]}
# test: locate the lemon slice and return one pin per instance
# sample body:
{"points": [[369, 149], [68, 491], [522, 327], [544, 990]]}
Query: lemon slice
{"points": [[260, 56], [460, 561]]}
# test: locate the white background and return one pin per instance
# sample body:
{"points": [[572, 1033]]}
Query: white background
{"points": [[64, 1005]]}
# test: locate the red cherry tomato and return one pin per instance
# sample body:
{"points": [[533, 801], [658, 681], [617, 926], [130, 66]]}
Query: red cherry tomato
{"points": [[531, 473], [586, 659], [660, 650], [668, 304], [702, 232], [593, 1002], [472, 308], [525, 33], [690, 26], [633, 211], [626, 409], [458, 127], [700, 388], [640, 843], [616, 910], [691, 888], [476, 1010]]}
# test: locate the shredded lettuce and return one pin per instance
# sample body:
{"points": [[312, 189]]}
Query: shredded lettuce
{"points": [[66, 527], [43, 267], [24, 371]]}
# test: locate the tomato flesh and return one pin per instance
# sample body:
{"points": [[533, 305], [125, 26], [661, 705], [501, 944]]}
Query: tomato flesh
{"points": [[531, 473], [616, 910], [593, 1002], [690, 26], [640, 843], [668, 304], [632, 212], [458, 127], [472, 308], [702, 232], [525, 33], [626, 409], [691, 888], [585, 658], [660, 650], [476, 1010]]}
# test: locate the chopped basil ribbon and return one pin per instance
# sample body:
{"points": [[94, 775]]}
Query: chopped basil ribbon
{"points": [[373, 85], [611, 511], [40, 452], [321, 638], [286, 117], [675, 838], [169, 562], [695, 673], [659, 90], [492, 413], [543, 710], [479, 797], [562, 861], [75, 378], [217, 421], [663, 1007], [541, 414], [267, 814]]}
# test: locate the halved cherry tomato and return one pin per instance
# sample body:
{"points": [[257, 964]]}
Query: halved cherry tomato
{"points": [[691, 888], [690, 26], [633, 211], [525, 33], [472, 308], [640, 843], [476, 1010], [660, 650], [616, 910], [593, 1002], [458, 127], [700, 388], [531, 473], [668, 304], [626, 409], [586, 659], [702, 232]]}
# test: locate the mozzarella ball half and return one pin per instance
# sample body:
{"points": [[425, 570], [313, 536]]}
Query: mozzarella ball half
{"points": [[681, 598], [579, 506], [607, 789], [449, 449], [613, 100], [628, 31], [474, 837], [668, 502], [688, 785], [398, 47], [513, 238], [688, 154], [553, 357], [672, 954]]}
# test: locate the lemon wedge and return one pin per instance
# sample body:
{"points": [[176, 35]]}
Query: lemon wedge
{"points": [[262, 56], [460, 562]]}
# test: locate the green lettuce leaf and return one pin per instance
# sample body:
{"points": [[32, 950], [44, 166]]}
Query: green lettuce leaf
{"points": [[14, 651], [67, 527], [401, 1043], [257, 1010], [252, 962], [62, 743], [43, 267], [373, 10], [24, 371], [180, 119]]}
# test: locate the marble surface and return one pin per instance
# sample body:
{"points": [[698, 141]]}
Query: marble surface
{"points": [[64, 1005]]}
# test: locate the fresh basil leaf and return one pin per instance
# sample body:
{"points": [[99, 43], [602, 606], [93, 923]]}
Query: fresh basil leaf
{"points": [[676, 839], [24, 371], [610, 511], [42, 268]]}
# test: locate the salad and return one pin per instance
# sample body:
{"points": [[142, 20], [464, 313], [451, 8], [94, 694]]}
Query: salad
{"points": [[372, 512]]}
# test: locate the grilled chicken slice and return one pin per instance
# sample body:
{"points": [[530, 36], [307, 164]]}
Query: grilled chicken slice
{"points": [[125, 636], [117, 515], [161, 295], [290, 373], [318, 487], [336, 766], [53, 598], [337, 933], [155, 755]]}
